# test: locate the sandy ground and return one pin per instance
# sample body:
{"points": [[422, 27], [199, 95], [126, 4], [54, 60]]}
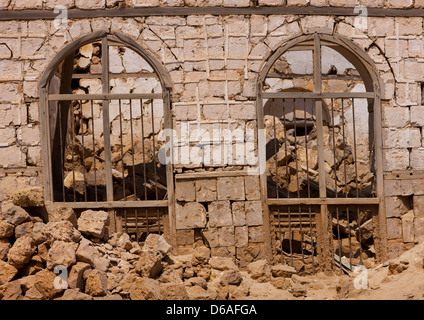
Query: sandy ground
{"points": [[372, 284]]}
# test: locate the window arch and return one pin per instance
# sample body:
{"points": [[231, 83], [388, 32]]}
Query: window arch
{"points": [[104, 101], [319, 108]]}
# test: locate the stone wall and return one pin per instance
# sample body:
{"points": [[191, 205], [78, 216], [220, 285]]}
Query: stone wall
{"points": [[213, 62], [225, 212]]}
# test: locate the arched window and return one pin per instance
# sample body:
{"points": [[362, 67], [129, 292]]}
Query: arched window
{"points": [[104, 102], [318, 103]]}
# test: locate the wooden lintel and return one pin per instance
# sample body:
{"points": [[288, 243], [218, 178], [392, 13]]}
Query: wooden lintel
{"points": [[210, 174], [313, 95], [8, 15], [116, 204], [323, 201], [105, 96]]}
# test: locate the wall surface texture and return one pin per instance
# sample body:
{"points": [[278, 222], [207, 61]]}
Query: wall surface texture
{"points": [[214, 61]]}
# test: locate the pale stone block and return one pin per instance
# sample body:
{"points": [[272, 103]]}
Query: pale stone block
{"points": [[92, 4], [256, 234], [215, 111], [231, 188], [244, 111], [12, 157], [205, 190], [343, 3], [190, 215], [396, 159], [399, 3], [253, 211], [402, 138], [145, 3], [252, 187], [226, 236], [51, 4], [185, 191], [239, 214], [419, 206], [419, 4], [408, 227], [413, 70], [394, 228], [7, 136], [417, 116], [185, 237], [219, 213], [415, 48], [396, 48], [25, 4], [396, 206], [381, 27], [29, 135], [419, 227], [397, 117], [185, 112], [417, 159], [321, 24], [9, 92], [271, 2], [34, 156], [236, 3], [241, 235], [408, 94], [409, 26]]}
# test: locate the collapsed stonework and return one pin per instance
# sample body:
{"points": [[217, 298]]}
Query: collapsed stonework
{"points": [[213, 62]]}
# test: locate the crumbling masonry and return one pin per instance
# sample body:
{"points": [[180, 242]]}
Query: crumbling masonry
{"points": [[164, 113]]}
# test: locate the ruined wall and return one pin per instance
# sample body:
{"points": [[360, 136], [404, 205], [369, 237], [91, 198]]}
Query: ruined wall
{"points": [[213, 62]]}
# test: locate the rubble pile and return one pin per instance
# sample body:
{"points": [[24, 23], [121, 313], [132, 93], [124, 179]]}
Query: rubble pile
{"points": [[296, 156], [292, 171]]}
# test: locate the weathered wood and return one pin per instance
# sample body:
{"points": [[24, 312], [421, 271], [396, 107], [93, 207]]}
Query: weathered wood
{"points": [[104, 96], [317, 95], [323, 201], [116, 204], [211, 174], [7, 15], [114, 75]]}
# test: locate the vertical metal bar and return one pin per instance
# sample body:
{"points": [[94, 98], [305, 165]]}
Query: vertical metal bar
{"points": [[297, 179], [324, 226], [334, 147], [72, 148], [83, 154], [106, 120], [94, 152], [124, 189], [62, 161], [335, 185], [288, 177], [276, 183], [154, 162], [132, 151], [356, 177], [122, 150], [309, 185], [143, 150]]}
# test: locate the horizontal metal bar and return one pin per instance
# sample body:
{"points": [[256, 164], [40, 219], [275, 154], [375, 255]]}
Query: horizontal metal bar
{"points": [[7, 15], [106, 96], [114, 75], [312, 95], [116, 204], [320, 201], [310, 76], [212, 174]]}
